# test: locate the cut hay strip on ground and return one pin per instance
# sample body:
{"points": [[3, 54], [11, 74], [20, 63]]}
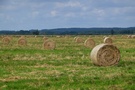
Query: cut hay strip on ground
{"points": [[22, 41], [90, 43], [6, 40], [78, 40], [49, 44], [105, 55], [108, 40]]}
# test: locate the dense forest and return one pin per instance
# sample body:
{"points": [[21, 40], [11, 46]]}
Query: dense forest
{"points": [[71, 31]]}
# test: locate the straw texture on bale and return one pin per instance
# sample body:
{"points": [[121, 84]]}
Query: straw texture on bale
{"points": [[75, 38], [45, 38], [129, 36], [78, 40], [133, 36], [108, 40], [22, 41], [6, 40], [49, 44], [105, 55], [58, 36], [90, 43]]}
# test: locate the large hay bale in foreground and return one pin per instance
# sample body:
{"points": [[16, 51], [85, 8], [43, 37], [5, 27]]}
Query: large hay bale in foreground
{"points": [[90, 43], [105, 55], [108, 40], [6, 40], [49, 44], [22, 41]]}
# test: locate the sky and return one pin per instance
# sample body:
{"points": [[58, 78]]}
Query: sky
{"points": [[50, 14]]}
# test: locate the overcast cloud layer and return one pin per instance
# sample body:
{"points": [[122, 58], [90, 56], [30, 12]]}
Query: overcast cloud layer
{"points": [[43, 14]]}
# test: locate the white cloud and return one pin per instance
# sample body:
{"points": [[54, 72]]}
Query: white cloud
{"points": [[71, 14], [68, 4], [84, 8], [37, 12], [99, 12], [54, 13]]}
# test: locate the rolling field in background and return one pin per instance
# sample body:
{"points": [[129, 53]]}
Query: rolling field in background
{"points": [[67, 67]]}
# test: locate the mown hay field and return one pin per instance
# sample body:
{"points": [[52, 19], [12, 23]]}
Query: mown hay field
{"points": [[67, 67]]}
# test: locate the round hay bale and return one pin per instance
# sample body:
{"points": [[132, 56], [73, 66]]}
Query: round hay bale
{"points": [[90, 43], [133, 36], [58, 36], [22, 42], [129, 36], [105, 55], [122, 36], [6, 40], [49, 44], [78, 40], [75, 38], [45, 38], [108, 40]]}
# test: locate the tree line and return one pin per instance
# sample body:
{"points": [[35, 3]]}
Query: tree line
{"points": [[71, 31]]}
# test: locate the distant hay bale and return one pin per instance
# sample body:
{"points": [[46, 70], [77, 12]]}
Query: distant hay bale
{"points": [[90, 43], [122, 36], [49, 44], [108, 40], [78, 40], [22, 41], [133, 36], [75, 38], [129, 36], [58, 36], [6, 40], [105, 55], [104, 37], [67, 36], [45, 38]]}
